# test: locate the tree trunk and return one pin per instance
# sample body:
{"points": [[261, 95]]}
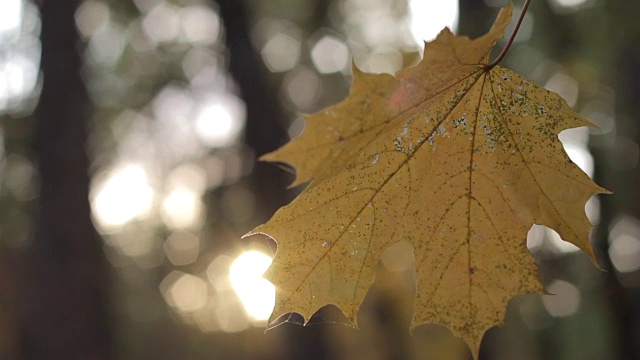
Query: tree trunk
{"points": [[65, 270]]}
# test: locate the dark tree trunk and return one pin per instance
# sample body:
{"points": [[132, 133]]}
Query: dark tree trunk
{"points": [[611, 155], [265, 118], [65, 277]]}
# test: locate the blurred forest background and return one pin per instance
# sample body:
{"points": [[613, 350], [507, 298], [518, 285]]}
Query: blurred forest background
{"points": [[129, 133]]}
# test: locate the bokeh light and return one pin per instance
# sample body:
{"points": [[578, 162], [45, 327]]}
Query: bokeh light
{"points": [[200, 25], [256, 293], [302, 87], [624, 239], [534, 317], [107, 45], [10, 17], [565, 300], [428, 18], [569, 6], [330, 55], [20, 177], [19, 56], [182, 248], [182, 208], [162, 23], [625, 253], [120, 195], [565, 86], [281, 52], [279, 43], [219, 121], [569, 3], [600, 111], [92, 16], [185, 292], [218, 272]]}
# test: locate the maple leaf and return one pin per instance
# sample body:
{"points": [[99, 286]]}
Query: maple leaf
{"points": [[455, 157]]}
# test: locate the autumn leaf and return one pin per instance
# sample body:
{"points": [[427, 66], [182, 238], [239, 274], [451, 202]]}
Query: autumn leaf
{"points": [[453, 156]]}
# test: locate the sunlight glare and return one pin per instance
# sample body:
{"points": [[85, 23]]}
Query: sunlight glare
{"points": [[256, 293], [429, 17]]}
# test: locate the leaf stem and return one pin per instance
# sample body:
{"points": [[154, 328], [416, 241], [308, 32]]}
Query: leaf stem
{"points": [[511, 38]]}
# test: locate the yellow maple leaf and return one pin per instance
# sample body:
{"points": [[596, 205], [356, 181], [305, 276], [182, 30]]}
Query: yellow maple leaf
{"points": [[453, 156]]}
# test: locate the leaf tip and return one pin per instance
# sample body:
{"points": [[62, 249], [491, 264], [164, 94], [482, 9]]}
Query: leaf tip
{"points": [[268, 157], [592, 256], [355, 70], [504, 18]]}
